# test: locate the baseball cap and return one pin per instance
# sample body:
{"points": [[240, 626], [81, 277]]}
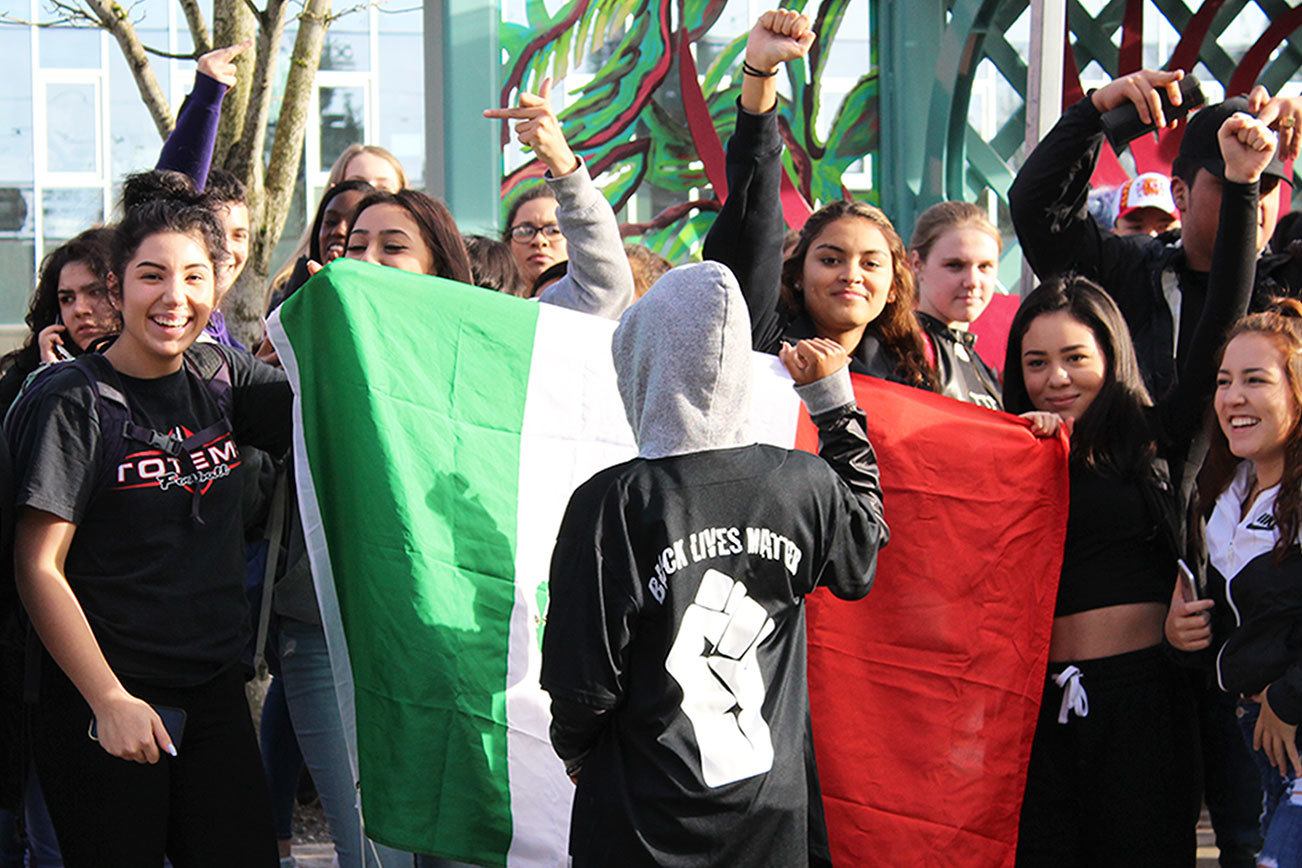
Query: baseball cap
{"points": [[1200, 146], [1149, 190]]}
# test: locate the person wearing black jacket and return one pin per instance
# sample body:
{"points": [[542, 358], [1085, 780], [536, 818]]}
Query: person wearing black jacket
{"points": [[1252, 491], [1113, 775], [848, 277], [674, 650], [954, 253], [1160, 285]]}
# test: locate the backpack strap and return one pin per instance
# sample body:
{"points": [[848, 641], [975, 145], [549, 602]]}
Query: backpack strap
{"points": [[210, 364], [206, 363], [274, 532]]}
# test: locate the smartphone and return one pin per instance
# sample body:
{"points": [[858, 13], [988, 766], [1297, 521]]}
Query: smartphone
{"points": [[59, 349], [173, 721], [1188, 582]]}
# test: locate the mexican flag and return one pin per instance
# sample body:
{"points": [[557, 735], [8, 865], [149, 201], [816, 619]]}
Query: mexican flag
{"points": [[440, 430]]}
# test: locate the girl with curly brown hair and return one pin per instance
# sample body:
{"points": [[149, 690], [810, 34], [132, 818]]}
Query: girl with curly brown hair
{"points": [[848, 278]]}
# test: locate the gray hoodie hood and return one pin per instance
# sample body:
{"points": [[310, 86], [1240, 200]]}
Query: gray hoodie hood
{"points": [[683, 360]]}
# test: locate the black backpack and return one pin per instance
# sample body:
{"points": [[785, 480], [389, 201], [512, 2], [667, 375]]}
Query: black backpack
{"points": [[118, 432]]}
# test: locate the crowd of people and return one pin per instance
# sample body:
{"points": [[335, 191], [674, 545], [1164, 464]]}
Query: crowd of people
{"points": [[159, 558]]}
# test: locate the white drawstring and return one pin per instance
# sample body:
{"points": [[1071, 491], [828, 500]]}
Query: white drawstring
{"points": [[1073, 694]]}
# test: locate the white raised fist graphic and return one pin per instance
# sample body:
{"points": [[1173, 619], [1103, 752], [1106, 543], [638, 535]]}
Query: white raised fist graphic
{"points": [[714, 660]]}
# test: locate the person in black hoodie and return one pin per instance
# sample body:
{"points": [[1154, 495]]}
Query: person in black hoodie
{"points": [[954, 254], [1252, 492], [848, 277], [1113, 775], [674, 651]]}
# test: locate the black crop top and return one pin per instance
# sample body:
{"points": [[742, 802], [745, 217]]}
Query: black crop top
{"points": [[1114, 551]]}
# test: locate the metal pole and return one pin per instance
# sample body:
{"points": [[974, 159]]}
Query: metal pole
{"points": [[1043, 81], [462, 73]]}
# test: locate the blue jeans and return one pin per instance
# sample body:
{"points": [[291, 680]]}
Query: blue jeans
{"points": [[42, 845], [314, 710], [1281, 815], [281, 758]]}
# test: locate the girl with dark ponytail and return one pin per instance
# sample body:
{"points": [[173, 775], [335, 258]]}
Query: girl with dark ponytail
{"points": [[129, 558]]}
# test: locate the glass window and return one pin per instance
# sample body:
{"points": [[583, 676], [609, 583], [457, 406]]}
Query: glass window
{"points": [[343, 121], [16, 104], [16, 256], [67, 212], [71, 114], [407, 18], [348, 48], [133, 139], [70, 48], [402, 99], [17, 252], [16, 211]]}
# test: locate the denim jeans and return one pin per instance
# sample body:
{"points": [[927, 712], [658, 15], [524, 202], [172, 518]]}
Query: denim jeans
{"points": [[281, 758], [1281, 814], [42, 845], [314, 710]]}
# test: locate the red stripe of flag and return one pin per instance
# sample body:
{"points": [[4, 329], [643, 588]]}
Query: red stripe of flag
{"points": [[925, 694]]}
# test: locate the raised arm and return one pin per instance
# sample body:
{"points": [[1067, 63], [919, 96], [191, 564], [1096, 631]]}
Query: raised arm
{"points": [[1047, 199], [1247, 145], [599, 280], [747, 235], [189, 148]]}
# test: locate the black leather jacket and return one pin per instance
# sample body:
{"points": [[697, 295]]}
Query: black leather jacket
{"points": [[961, 371]]}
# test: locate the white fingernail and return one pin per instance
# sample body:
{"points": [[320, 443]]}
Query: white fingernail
{"points": [[171, 748]]}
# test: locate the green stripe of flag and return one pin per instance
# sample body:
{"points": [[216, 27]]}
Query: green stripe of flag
{"points": [[403, 377]]}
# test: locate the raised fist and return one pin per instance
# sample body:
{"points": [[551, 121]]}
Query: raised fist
{"points": [[1247, 145], [778, 36], [715, 662]]}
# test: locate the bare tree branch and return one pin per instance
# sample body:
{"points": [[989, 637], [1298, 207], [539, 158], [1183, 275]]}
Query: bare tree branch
{"points": [[70, 21], [113, 18], [232, 23], [360, 7], [170, 55], [245, 157], [198, 26]]}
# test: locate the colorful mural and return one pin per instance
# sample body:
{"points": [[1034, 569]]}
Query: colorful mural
{"points": [[654, 112], [650, 116]]}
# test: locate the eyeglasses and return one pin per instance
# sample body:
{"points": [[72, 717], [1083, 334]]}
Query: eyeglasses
{"points": [[524, 232]]}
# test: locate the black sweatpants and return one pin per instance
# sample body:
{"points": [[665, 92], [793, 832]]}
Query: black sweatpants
{"points": [[1122, 785], [206, 807]]}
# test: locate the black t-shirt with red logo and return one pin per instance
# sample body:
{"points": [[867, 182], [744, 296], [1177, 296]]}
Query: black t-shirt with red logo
{"points": [[163, 593]]}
